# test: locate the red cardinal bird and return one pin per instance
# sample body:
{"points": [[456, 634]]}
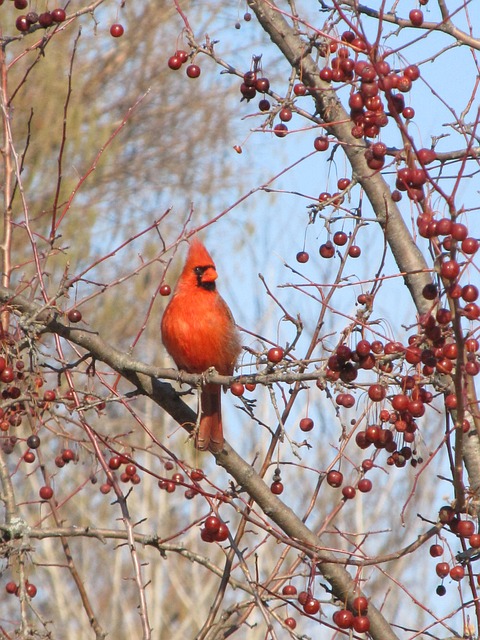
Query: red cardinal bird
{"points": [[198, 331]]}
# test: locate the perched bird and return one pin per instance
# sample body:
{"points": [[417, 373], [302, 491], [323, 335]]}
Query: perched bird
{"points": [[198, 331]]}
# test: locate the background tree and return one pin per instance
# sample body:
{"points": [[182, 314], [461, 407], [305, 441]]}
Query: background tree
{"points": [[345, 503]]}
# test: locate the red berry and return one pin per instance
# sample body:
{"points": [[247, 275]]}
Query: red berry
{"points": [[280, 130], [58, 15], [376, 392], [302, 257], [45, 493], [326, 74], [457, 572], [335, 478], [131, 470], [249, 78], [11, 588], [289, 590], [114, 462], [442, 569], [193, 71], [74, 315], [29, 457], [469, 293], [354, 251], [367, 464], [165, 290], [275, 354], [212, 524], [343, 619], [174, 63], [348, 36], [416, 17], [237, 389], [360, 605], [276, 488], [321, 143], [449, 269], [183, 55], [343, 183], [363, 347], [348, 492], [306, 424], [7, 374], [291, 623], [472, 345], [222, 533], [262, 85], [469, 246], [327, 250], [22, 23], [264, 105], [299, 89], [361, 441], [474, 540], [117, 30], [348, 400], [68, 455], [364, 485], [459, 231], [197, 475], [340, 238], [31, 590], [436, 550], [45, 19], [285, 114], [472, 368], [361, 624], [465, 528], [248, 92], [312, 606], [206, 536], [49, 395]]}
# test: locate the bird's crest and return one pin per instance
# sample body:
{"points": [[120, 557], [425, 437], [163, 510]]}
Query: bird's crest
{"points": [[198, 256]]}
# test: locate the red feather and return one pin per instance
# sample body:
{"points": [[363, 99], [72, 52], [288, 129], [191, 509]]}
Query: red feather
{"points": [[199, 332]]}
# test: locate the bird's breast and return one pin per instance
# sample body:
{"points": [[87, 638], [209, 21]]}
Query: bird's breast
{"points": [[199, 333]]}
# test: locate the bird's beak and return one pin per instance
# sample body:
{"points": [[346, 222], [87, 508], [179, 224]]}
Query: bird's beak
{"points": [[209, 275]]}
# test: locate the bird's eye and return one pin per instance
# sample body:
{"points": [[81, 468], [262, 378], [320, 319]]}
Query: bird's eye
{"points": [[198, 271]]}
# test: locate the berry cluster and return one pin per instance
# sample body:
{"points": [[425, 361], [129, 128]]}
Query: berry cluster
{"points": [[178, 479], [463, 529], [20, 391], [179, 58], [214, 530], [14, 589], [25, 22], [377, 91], [355, 618], [335, 479]]}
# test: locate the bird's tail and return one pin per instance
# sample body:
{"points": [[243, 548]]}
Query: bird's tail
{"points": [[210, 430]]}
